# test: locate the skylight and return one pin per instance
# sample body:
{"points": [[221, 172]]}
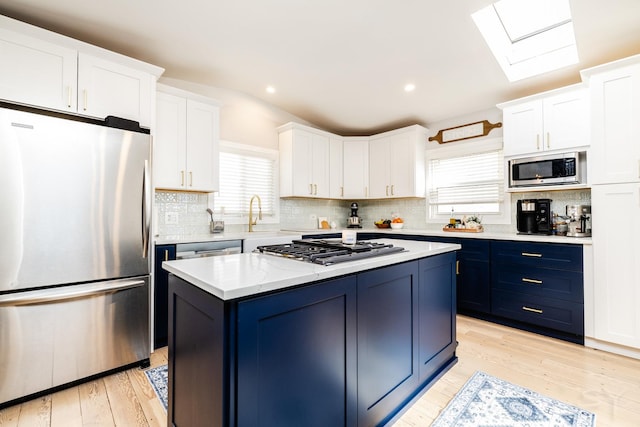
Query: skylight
{"points": [[529, 37]]}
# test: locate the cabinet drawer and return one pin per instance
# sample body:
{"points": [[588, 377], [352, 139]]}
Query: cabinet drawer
{"points": [[549, 255], [551, 313], [561, 284]]}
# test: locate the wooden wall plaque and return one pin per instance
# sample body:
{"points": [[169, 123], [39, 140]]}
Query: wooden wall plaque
{"points": [[468, 131]]}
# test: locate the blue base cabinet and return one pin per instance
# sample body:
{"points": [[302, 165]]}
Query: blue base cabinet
{"points": [[539, 286], [297, 357], [388, 363], [161, 294], [349, 351]]}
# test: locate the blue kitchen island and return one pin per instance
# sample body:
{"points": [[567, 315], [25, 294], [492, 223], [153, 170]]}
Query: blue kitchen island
{"points": [[259, 340]]}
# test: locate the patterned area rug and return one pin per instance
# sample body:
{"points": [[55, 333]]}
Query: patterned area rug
{"points": [[158, 377], [486, 401]]}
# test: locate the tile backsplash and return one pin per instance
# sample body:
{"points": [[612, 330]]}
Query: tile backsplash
{"points": [[181, 213]]}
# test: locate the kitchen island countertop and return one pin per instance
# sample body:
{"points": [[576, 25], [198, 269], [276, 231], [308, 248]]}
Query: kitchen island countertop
{"points": [[243, 275]]}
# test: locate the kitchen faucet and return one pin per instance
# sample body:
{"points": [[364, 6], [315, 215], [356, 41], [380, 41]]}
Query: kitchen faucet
{"points": [[251, 220]]}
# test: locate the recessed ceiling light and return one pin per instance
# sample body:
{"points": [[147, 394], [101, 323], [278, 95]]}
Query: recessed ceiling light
{"points": [[410, 87], [271, 89]]}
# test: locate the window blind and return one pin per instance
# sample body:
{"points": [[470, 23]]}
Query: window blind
{"points": [[468, 184], [243, 175]]}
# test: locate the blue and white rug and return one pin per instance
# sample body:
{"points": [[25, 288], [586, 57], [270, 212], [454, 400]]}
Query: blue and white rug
{"points": [[158, 377], [486, 401]]}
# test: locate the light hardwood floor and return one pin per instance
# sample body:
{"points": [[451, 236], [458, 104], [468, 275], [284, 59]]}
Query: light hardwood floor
{"points": [[606, 384]]}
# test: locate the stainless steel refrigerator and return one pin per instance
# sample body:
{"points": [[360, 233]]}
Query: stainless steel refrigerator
{"points": [[74, 240]]}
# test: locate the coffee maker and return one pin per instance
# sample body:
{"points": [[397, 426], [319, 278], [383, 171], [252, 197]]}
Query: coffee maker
{"points": [[534, 216], [354, 220], [579, 220]]}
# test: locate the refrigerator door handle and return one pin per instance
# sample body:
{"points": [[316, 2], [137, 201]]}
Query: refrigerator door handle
{"points": [[67, 292], [146, 209]]}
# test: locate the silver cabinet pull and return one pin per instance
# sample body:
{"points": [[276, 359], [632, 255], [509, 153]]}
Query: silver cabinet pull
{"points": [[532, 310], [535, 281], [392, 192], [315, 189], [190, 179], [311, 189], [84, 96], [69, 96], [386, 190], [529, 254], [181, 178]]}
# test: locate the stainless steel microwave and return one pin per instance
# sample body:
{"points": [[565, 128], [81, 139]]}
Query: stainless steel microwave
{"points": [[551, 169]]}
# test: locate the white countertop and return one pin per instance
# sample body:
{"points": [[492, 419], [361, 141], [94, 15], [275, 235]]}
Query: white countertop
{"points": [[240, 275], [459, 234], [214, 237]]}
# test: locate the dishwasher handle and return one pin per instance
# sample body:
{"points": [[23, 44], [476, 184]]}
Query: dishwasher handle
{"points": [[207, 253]]}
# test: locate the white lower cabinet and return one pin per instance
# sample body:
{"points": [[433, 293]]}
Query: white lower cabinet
{"points": [[186, 145], [356, 167], [616, 254]]}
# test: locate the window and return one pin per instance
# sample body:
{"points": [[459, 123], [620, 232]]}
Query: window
{"points": [[467, 183], [529, 37], [246, 171]]}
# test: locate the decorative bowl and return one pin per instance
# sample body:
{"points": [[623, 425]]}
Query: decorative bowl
{"points": [[381, 225], [397, 225]]}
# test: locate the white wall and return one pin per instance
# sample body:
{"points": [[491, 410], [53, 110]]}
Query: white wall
{"points": [[243, 118]]}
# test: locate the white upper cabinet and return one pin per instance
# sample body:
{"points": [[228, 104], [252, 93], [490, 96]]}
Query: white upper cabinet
{"points": [[397, 163], [553, 121], [336, 168], [106, 88], [356, 167], [186, 143], [51, 71], [615, 147], [304, 161], [37, 72]]}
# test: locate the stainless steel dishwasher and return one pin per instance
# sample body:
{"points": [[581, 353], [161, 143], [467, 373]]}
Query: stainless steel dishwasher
{"points": [[206, 249]]}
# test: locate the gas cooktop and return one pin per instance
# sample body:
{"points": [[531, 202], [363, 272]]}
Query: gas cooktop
{"points": [[329, 251]]}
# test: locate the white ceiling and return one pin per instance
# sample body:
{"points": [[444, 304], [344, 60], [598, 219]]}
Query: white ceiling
{"points": [[340, 64]]}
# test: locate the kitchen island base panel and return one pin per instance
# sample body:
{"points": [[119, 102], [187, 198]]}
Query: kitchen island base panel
{"points": [[297, 356]]}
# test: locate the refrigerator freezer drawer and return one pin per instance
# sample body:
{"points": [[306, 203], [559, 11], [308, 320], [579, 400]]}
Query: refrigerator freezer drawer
{"points": [[55, 336]]}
